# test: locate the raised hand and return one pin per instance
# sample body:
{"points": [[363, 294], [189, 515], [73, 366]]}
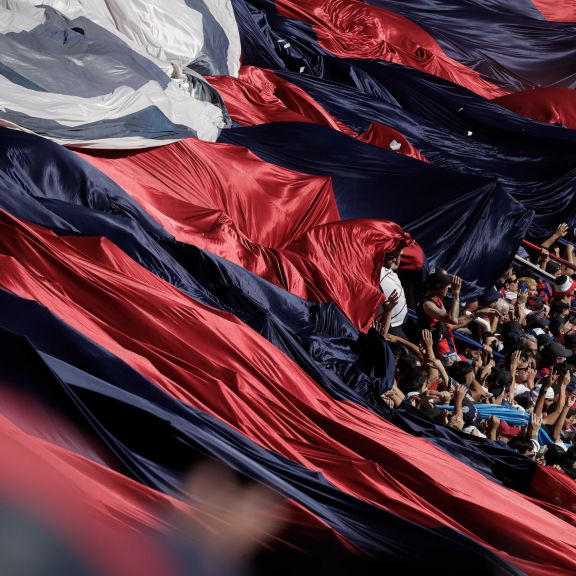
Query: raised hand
{"points": [[456, 422], [493, 422], [391, 301], [460, 393], [427, 340], [535, 422], [515, 360], [456, 285]]}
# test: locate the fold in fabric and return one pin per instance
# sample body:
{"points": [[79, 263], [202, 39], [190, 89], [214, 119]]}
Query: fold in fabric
{"points": [[448, 124], [556, 11], [260, 97], [210, 361], [67, 195], [508, 44], [550, 105], [160, 453], [353, 29], [274, 222], [112, 74]]}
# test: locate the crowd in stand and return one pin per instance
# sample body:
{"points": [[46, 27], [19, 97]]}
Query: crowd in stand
{"points": [[502, 366]]}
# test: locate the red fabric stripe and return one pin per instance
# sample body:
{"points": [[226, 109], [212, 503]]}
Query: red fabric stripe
{"points": [[557, 489], [557, 10], [48, 467], [277, 223], [212, 361], [552, 105], [260, 97], [87, 505], [352, 29]]}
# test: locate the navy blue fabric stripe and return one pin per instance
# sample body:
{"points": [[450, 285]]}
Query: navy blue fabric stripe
{"points": [[214, 58], [149, 123], [46, 184], [439, 208], [156, 437], [456, 130], [508, 43], [453, 127]]}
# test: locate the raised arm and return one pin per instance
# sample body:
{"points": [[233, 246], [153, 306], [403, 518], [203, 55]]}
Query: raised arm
{"points": [[562, 417], [382, 324], [553, 416], [561, 231], [448, 316]]}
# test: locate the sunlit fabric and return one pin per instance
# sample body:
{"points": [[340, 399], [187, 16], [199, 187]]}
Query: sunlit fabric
{"points": [[448, 124], [260, 97], [65, 194], [508, 44], [166, 299], [208, 360], [556, 11], [115, 74]]}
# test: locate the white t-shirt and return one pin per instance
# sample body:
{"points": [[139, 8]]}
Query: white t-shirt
{"points": [[389, 282]]}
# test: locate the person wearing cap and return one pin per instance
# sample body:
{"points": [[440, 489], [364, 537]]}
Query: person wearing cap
{"points": [[560, 326], [554, 354], [505, 432], [537, 323], [563, 288], [433, 316], [553, 268]]}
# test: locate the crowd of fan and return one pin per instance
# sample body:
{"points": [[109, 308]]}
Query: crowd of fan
{"points": [[502, 366]]}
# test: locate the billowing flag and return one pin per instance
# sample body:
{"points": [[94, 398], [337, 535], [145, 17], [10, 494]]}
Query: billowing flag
{"points": [[121, 74], [166, 299]]}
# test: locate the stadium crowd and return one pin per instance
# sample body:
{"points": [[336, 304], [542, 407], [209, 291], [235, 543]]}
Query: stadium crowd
{"points": [[502, 366]]}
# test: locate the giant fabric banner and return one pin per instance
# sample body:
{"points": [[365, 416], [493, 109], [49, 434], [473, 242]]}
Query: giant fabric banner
{"points": [[196, 198]]}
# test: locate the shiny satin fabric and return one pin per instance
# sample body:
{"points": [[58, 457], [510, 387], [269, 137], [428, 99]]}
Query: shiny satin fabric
{"points": [[556, 11], [111, 405], [549, 105], [446, 123], [112, 74], [352, 29], [48, 185], [440, 208], [246, 215], [511, 48], [209, 360], [260, 97]]}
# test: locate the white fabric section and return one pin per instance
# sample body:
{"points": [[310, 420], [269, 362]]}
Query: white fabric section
{"points": [[76, 111], [389, 282], [16, 16], [224, 13], [164, 32]]}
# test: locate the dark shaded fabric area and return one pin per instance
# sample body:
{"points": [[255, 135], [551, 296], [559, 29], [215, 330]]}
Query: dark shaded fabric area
{"points": [[46, 184], [157, 438], [454, 217], [508, 43], [451, 126]]}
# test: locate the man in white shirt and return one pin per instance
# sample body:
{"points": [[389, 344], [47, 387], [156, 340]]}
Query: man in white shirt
{"points": [[389, 282]]}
